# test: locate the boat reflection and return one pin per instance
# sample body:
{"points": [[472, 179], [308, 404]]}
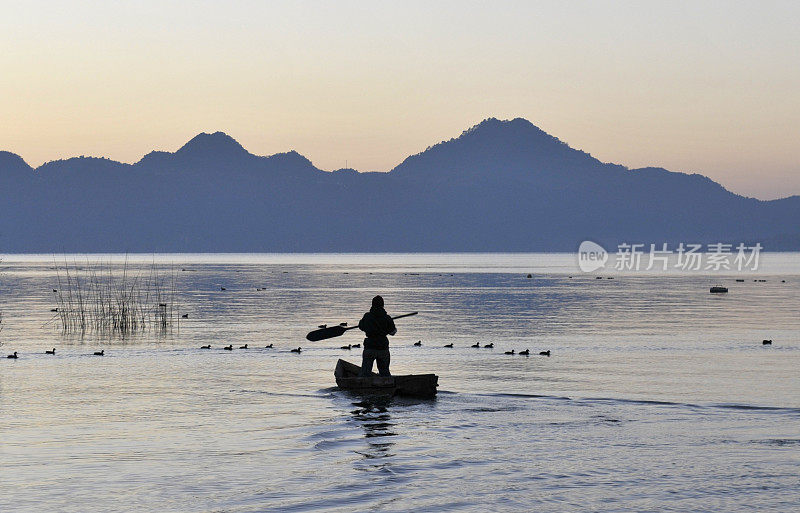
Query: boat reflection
{"points": [[373, 416]]}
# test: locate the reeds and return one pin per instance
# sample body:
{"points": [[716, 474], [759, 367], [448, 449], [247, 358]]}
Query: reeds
{"points": [[124, 300]]}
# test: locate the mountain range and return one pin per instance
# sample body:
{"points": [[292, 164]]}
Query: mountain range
{"points": [[499, 186]]}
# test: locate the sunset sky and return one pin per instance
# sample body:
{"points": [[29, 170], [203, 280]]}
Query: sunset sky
{"points": [[708, 87]]}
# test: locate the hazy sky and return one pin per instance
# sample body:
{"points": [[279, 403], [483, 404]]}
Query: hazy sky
{"points": [[709, 87]]}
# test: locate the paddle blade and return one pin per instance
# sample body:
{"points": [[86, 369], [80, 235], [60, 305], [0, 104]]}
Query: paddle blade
{"points": [[324, 333]]}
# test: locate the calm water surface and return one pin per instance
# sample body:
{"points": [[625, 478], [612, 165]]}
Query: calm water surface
{"points": [[658, 396]]}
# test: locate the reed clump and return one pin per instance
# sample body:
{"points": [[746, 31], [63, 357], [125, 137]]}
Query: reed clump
{"points": [[116, 299]]}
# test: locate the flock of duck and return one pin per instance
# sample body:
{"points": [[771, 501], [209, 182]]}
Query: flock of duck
{"points": [[490, 345], [15, 355]]}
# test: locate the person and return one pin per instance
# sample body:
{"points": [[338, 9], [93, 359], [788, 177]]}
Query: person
{"points": [[376, 324]]}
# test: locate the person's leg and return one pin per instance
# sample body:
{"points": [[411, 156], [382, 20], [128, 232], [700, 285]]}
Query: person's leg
{"points": [[383, 358], [367, 357]]}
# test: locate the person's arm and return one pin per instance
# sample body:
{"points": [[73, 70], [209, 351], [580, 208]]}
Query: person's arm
{"points": [[390, 325]]}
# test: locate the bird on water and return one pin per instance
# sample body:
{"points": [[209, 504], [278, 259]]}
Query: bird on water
{"points": [[206, 347], [298, 350], [449, 345], [102, 352], [48, 351], [13, 356], [228, 347]]}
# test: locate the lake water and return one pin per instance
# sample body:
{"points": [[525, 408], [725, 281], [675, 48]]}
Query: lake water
{"points": [[658, 396]]}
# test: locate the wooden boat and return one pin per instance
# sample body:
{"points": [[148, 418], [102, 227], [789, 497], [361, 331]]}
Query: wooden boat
{"points": [[412, 385]]}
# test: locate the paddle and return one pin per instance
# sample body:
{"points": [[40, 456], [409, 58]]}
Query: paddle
{"points": [[338, 331]]}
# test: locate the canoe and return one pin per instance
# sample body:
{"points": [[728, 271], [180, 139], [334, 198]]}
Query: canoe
{"points": [[412, 385]]}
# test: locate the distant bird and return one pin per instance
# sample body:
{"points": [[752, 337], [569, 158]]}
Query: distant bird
{"points": [[243, 347], [449, 345], [54, 309], [269, 346], [298, 350], [476, 344], [322, 326], [228, 347], [348, 346], [525, 352], [206, 347], [185, 316], [489, 346], [55, 290], [47, 351], [510, 352], [102, 352], [14, 356], [342, 324], [162, 305], [766, 342], [356, 346], [222, 288], [544, 353], [418, 343]]}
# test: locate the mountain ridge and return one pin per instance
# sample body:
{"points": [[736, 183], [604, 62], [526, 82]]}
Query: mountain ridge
{"points": [[499, 186]]}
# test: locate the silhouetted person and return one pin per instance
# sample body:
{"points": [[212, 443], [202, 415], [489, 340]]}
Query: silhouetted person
{"points": [[376, 324]]}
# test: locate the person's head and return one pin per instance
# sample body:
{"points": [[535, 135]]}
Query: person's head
{"points": [[377, 302]]}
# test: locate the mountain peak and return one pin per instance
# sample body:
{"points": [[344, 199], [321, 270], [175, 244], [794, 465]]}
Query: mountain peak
{"points": [[13, 161], [514, 147], [216, 145]]}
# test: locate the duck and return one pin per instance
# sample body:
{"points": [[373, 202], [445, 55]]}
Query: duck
{"points": [[185, 316], [510, 352], [489, 346], [13, 356], [419, 343], [348, 346], [268, 346], [54, 309], [322, 326], [298, 350], [476, 344], [55, 290], [101, 352], [228, 347], [544, 353], [48, 351], [222, 288], [449, 345], [206, 347], [766, 342], [356, 346], [525, 352], [243, 347]]}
